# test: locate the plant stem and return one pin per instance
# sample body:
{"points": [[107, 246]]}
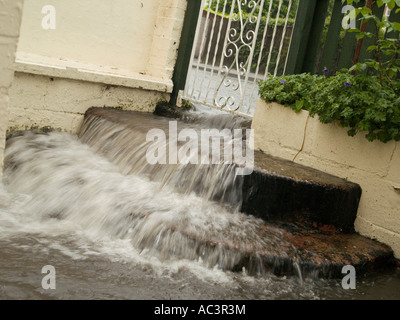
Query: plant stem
{"points": [[360, 41], [379, 55]]}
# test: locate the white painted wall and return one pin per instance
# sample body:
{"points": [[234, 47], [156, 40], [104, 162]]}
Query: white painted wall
{"points": [[128, 36], [116, 53], [375, 166], [117, 33], [10, 17]]}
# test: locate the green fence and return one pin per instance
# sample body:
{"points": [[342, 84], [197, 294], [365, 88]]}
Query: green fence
{"points": [[319, 41]]}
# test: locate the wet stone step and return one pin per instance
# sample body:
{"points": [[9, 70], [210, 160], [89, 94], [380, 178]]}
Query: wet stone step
{"points": [[313, 212], [280, 190], [300, 253], [277, 190]]}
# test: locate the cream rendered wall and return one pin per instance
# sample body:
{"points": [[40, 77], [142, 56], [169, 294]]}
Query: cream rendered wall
{"points": [[114, 53], [167, 32], [60, 103], [10, 17], [375, 166], [115, 33]]}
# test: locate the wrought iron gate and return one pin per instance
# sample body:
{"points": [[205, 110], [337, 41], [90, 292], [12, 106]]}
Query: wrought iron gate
{"points": [[237, 44]]}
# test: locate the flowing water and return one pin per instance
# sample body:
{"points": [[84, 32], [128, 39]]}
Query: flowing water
{"points": [[113, 230]]}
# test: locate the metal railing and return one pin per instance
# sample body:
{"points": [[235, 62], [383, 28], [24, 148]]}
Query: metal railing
{"points": [[237, 44]]}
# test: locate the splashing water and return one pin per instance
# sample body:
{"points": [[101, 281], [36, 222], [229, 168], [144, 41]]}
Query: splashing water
{"points": [[122, 140], [69, 184], [99, 214]]}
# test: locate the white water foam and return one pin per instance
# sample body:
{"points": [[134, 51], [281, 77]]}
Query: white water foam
{"points": [[57, 186]]}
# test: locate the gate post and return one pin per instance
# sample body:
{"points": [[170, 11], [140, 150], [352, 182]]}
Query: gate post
{"points": [[185, 48], [300, 36], [306, 38], [314, 41]]}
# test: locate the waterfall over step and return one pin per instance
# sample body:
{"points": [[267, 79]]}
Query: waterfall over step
{"points": [[275, 189], [121, 138], [102, 183]]}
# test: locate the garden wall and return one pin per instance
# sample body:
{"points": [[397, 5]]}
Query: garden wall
{"points": [[375, 166], [10, 13], [112, 53]]}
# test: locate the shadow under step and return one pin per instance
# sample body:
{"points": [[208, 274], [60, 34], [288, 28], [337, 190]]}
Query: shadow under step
{"points": [[281, 190]]}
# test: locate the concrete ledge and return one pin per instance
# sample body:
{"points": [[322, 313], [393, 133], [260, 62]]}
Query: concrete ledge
{"points": [[280, 132], [68, 69]]}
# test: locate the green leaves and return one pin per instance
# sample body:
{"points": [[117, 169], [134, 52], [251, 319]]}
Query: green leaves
{"points": [[365, 98], [364, 106], [287, 90], [385, 52], [390, 3]]}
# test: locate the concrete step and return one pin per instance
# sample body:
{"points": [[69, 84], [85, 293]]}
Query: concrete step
{"points": [[281, 190], [312, 210], [301, 252]]}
